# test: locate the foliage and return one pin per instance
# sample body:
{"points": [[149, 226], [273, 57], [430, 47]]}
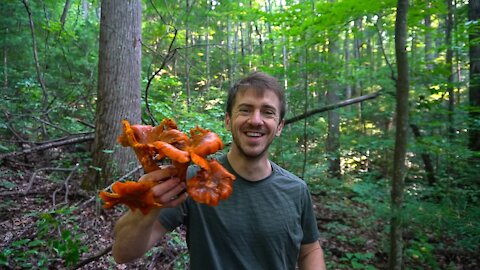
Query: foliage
{"points": [[199, 50], [57, 238]]}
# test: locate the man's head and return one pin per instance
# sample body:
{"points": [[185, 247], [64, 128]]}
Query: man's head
{"points": [[254, 115], [260, 82]]}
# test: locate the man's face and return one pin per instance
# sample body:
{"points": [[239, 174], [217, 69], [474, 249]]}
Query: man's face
{"points": [[254, 123]]}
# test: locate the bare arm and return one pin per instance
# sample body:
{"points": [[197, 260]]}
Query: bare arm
{"points": [[311, 257], [136, 233]]}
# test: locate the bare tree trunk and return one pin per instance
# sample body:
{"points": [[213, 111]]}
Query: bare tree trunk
{"points": [[207, 49], [235, 50], [268, 8], [118, 88], [40, 78], [85, 9], [305, 107], [398, 179], [229, 53], [428, 37], [449, 63], [63, 18], [187, 63], [333, 136], [357, 44], [474, 88], [5, 60], [427, 160]]}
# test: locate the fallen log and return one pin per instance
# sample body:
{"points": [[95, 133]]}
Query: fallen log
{"points": [[69, 140], [332, 107]]}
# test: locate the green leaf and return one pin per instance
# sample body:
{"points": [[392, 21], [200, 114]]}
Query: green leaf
{"points": [[7, 184]]}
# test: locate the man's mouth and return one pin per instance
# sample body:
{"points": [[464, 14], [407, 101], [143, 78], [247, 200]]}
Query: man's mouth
{"points": [[253, 134]]}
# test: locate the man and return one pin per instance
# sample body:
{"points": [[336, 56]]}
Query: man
{"points": [[266, 223]]}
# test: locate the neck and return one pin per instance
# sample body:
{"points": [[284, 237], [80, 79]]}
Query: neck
{"points": [[252, 169]]}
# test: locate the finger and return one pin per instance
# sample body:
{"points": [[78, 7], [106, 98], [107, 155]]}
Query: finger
{"points": [[167, 191], [176, 201], [160, 175]]}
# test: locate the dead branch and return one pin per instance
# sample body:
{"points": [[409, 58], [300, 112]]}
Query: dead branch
{"points": [[130, 173], [332, 107], [170, 54], [65, 184], [32, 178], [68, 140], [94, 257]]}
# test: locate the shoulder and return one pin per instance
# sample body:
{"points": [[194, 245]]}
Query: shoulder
{"points": [[287, 176]]}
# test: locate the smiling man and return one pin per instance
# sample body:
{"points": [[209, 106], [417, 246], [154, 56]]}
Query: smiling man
{"points": [[267, 223]]}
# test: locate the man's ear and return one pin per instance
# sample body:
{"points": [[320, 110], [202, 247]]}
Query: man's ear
{"points": [[227, 121], [280, 128]]}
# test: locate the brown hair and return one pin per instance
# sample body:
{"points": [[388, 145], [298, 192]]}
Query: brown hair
{"points": [[260, 82]]}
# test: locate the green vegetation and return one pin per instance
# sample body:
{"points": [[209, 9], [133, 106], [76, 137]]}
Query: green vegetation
{"points": [[313, 47]]}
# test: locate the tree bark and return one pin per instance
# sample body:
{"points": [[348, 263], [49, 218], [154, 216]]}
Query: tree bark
{"points": [[5, 60], [40, 77], [398, 179], [428, 37], [427, 160], [118, 88], [187, 55], [474, 88], [65, 141], [63, 18], [333, 135], [450, 72]]}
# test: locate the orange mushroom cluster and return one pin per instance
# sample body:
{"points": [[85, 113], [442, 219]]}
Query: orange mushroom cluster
{"points": [[153, 144]]}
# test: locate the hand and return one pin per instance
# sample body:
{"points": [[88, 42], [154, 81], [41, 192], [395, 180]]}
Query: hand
{"points": [[170, 190]]}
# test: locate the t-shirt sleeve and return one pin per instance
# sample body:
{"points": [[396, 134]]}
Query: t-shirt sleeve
{"points": [[309, 221], [171, 218]]}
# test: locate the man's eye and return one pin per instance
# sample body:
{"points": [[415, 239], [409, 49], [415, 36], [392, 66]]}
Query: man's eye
{"points": [[269, 113]]}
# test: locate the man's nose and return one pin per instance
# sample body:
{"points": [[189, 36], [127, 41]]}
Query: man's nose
{"points": [[256, 118]]}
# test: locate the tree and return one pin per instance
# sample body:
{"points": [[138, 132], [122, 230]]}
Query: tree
{"points": [[396, 232], [474, 89], [118, 87]]}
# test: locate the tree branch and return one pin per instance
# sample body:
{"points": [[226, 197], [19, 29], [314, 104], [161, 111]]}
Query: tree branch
{"points": [[170, 54], [94, 257], [332, 107], [68, 140]]}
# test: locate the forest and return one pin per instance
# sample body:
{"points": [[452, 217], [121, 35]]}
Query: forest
{"points": [[383, 119]]}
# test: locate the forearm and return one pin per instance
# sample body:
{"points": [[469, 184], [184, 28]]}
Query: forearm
{"points": [[311, 257], [134, 235]]}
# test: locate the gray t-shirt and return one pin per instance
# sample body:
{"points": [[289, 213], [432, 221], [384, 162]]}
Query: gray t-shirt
{"points": [[260, 226]]}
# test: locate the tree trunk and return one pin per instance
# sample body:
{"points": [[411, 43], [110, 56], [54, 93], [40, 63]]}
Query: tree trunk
{"points": [[40, 76], [398, 179], [187, 62], [427, 160], [230, 53], [5, 60], [63, 18], [428, 37], [207, 49], [347, 64], [450, 72], [474, 88], [333, 136], [118, 88]]}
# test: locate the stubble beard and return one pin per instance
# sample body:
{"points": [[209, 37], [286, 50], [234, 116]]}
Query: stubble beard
{"points": [[242, 152]]}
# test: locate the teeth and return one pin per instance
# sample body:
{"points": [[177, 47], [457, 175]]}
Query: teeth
{"points": [[254, 134]]}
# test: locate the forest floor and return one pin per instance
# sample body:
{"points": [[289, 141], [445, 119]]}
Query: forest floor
{"points": [[41, 228]]}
